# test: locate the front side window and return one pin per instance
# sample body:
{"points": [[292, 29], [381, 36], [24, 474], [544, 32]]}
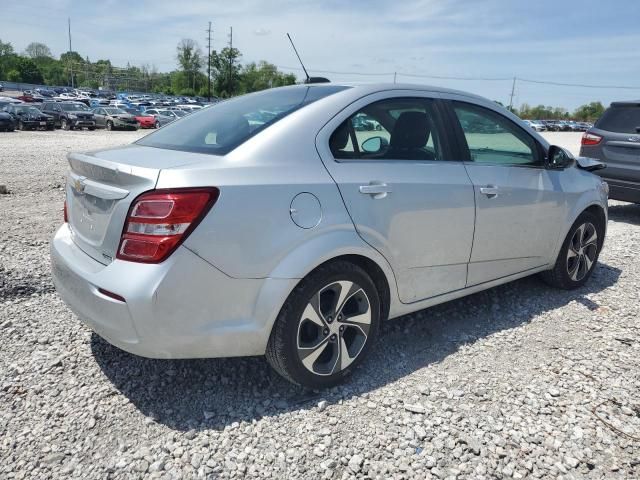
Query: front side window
{"points": [[392, 129], [494, 139]]}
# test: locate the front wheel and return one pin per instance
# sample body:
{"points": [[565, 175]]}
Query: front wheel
{"points": [[21, 126], [64, 123], [578, 255], [156, 125], [109, 125], [326, 326]]}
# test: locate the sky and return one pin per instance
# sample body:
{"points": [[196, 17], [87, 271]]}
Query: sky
{"points": [[583, 42]]}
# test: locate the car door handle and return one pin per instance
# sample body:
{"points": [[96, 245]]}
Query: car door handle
{"points": [[490, 191], [376, 190]]}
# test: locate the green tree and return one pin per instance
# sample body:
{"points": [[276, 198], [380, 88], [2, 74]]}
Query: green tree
{"points": [[589, 112], [37, 50], [189, 58], [227, 71], [254, 77], [28, 70]]}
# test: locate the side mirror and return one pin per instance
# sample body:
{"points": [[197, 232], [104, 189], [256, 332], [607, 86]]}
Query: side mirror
{"points": [[559, 158], [374, 144]]}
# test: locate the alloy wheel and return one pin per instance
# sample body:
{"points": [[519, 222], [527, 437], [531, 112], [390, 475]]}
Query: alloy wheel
{"points": [[582, 252], [334, 328]]}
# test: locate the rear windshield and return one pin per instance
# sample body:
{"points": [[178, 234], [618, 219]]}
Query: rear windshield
{"points": [[620, 120], [219, 129]]}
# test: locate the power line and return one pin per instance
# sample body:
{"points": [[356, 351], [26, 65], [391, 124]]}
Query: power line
{"points": [[579, 85]]}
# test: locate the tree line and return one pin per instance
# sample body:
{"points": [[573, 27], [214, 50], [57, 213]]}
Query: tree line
{"points": [[37, 65], [588, 112]]}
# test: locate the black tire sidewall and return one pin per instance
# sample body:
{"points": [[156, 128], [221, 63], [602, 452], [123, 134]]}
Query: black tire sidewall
{"points": [[292, 312], [561, 264]]}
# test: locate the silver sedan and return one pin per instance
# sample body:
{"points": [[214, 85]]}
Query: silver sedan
{"points": [[291, 222]]}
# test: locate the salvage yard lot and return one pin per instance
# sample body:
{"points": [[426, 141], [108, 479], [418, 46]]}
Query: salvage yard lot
{"points": [[520, 381]]}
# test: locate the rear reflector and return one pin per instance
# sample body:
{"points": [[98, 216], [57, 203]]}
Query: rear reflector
{"points": [[591, 139], [160, 220], [109, 294]]}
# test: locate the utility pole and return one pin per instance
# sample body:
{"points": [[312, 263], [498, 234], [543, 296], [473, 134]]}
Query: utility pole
{"points": [[230, 57], [209, 62], [70, 50], [513, 89]]}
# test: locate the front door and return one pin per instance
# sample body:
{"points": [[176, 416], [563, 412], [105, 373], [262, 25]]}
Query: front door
{"points": [[519, 205], [407, 199]]}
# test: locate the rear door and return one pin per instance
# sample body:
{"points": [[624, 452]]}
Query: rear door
{"points": [[389, 156], [519, 203]]}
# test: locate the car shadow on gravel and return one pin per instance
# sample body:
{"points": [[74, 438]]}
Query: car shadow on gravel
{"points": [[214, 393], [626, 213]]}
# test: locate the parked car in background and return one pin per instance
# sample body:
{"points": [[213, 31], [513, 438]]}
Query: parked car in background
{"points": [[166, 252], [30, 97], [113, 118], [174, 114], [7, 123], [536, 125], [1, 88], [144, 119], [28, 117], [615, 140], [70, 115], [162, 118]]}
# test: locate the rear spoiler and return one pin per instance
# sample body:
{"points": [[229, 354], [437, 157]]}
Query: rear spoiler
{"points": [[590, 164]]}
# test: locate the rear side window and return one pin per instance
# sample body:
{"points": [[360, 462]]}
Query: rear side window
{"points": [[620, 119], [219, 129]]}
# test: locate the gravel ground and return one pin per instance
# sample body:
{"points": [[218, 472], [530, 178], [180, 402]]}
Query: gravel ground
{"points": [[521, 381]]}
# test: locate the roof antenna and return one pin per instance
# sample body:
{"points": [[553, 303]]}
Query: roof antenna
{"points": [[308, 79]]}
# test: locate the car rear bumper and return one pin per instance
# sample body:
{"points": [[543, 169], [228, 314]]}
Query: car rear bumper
{"points": [[83, 123], [181, 308]]}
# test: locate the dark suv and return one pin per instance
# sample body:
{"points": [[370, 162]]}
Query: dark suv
{"points": [[615, 139], [70, 115]]}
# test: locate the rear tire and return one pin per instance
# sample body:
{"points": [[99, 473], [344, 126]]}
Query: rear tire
{"points": [[326, 327], [21, 126], [91, 129], [578, 255], [64, 124], [110, 125]]}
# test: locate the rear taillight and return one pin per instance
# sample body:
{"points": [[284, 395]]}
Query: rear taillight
{"points": [[160, 220], [591, 139]]}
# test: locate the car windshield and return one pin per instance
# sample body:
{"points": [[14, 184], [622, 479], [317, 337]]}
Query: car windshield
{"points": [[220, 129], [73, 107], [114, 111], [620, 120]]}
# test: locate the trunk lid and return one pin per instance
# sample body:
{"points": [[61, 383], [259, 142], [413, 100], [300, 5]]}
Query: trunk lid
{"points": [[102, 185]]}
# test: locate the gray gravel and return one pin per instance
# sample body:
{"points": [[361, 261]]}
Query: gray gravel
{"points": [[521, 381]]}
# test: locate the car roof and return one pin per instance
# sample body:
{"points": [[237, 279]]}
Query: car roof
{"points": [[627, 103]]}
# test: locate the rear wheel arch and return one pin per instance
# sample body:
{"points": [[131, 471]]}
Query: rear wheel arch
{"points": [[371, 268]]}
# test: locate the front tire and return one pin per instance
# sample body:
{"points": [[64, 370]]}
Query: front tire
{"points": [[326, 327], [64, 123], [109, 125], [578, 255]]}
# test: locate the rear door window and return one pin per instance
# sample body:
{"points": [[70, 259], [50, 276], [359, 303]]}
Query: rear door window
{"points": [[624, 119], [391, 129]]}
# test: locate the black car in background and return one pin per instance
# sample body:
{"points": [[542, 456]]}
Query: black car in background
{"points": [[28, 117], [7, 124], [615, 140], [70, 115]]}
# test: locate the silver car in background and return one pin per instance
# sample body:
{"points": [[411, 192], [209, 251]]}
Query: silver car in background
{"points": [[280, 224]]}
